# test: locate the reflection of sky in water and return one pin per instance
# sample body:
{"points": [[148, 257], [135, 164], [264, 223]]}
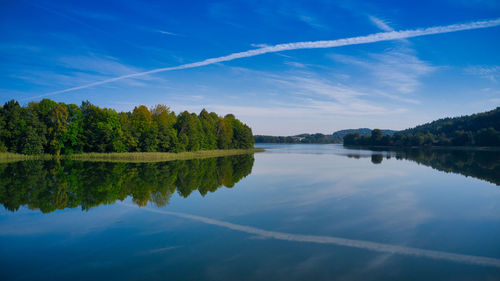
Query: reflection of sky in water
{"points": [[299, 190]]}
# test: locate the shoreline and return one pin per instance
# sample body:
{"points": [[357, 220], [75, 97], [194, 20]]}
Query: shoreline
{"points": [[132, 157], [434, 147]]}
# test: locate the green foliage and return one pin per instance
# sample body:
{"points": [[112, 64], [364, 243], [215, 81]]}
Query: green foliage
{"points": [[58, 128], [143, 130], [32, 143], [482, 129], [189, 131], [242, 134], [53, 185], [72, 139], [209, 127], [164, 121], [13, 126], [224, 133]]}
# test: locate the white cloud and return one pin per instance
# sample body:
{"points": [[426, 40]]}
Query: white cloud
{"points": [[103, 65], [380, 24], [397, 98], [259, 45], [491, 73], [400, 70], [295, 64], [372, 38], [167, 33], [311, 21], [397, 70]]}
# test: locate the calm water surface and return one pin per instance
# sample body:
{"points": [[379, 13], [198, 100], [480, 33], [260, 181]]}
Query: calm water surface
{"points": [[294, 212]]}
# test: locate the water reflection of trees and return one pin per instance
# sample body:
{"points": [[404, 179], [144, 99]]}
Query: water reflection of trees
{"points": [[481, 164], [52, 185]]}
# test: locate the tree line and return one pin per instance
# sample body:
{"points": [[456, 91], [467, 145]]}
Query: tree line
{"points": [[482, 129], [302, 138], [59, 128], [336, 137], [55, 185]]}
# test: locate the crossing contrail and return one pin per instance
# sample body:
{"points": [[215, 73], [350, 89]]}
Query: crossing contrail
{"points": [[367, 245], [372, 38]]}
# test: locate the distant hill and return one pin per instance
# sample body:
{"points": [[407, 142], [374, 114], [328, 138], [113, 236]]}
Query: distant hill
{"points": [[302, 138], [468, 123], [336, 137], [339, 135], [481, 129]]}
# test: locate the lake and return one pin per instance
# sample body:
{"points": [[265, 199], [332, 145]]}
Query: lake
{"points": [[293, 212]]}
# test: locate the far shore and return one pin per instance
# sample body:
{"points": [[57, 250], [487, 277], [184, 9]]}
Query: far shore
{"points": [[432, 147], [137, 157]]}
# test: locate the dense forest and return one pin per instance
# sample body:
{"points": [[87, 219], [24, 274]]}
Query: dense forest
{"points": [[339, 135], [481, 129], [336, 137], [59, 184], [59, 128]]}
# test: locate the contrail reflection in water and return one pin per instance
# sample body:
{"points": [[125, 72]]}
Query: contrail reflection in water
{"points": [[379, 247]]}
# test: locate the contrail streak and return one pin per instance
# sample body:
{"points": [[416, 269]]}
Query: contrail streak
{"points": [[366, 245], [372, 38]]}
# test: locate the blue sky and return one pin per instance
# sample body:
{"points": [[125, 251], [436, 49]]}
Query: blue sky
{"points": [[59, 49]]}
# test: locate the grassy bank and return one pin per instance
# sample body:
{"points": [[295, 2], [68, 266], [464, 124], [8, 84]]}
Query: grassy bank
{"points": [[131, 156]]}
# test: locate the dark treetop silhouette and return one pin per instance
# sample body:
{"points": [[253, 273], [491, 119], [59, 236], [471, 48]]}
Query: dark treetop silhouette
{"points": [[482, 129]]}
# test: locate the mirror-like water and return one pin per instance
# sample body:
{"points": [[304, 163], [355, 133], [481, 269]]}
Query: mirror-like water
{"points": [[294, 212]]}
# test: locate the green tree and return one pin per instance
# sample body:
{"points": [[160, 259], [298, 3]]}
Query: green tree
{"points": [[376, 137], [224, 133], [57, 128], [3, 148], [189, 131], [91, 116], [60, 128], [128, 139], [33, 140], [13, 127], [73, 139], [143, 129], [164, 121], [488, 137], [109, 132], [209, 127]]}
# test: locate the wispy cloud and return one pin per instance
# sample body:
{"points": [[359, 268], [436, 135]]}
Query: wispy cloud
{"points": [[396, 70], [380, 24], [295, 64], [104, 65], [259, 45], [372, 38], [70, 69], [167, 33], [307, 85], [303, 98], [397, 98], [311, 21], [491, 73]]}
